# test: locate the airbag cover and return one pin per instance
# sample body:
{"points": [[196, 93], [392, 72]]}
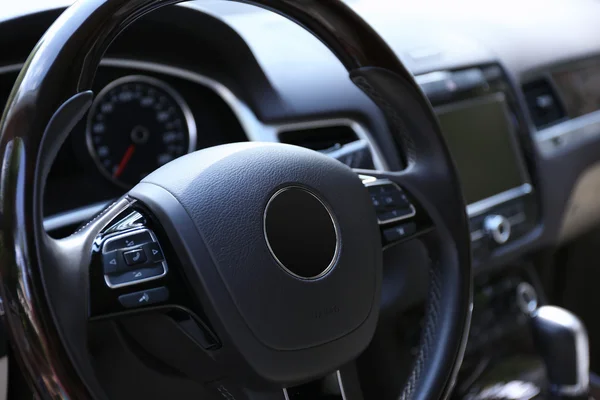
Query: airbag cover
{"points": [[226, 190]]}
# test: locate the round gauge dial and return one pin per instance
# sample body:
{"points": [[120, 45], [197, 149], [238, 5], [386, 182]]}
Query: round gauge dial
{"points": [[135, 125]]}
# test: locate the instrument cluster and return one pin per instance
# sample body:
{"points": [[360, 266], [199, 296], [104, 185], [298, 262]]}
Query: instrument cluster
{"points": [[136, 125], [142, 118]]}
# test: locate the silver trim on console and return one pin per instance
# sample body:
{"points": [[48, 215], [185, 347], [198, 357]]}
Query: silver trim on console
{"points": [[6, 69], [482, 206], [568, 133], [431, 77], [358, 129], [517, 218], [477, 235], [498, 227], [527, 298]]}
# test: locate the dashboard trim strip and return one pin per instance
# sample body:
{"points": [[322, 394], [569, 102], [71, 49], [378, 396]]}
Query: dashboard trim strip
{"points": [[6, 69], [255, 129], [565, 134], [481, 206]]}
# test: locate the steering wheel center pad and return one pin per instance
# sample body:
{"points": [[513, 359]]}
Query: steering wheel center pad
{"points": [[270, 315]]}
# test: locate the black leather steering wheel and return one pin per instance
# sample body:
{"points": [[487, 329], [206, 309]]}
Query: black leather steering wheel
{"points": [[273, 252]]}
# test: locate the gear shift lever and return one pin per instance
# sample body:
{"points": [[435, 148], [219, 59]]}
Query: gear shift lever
{"points": [[562, 342]]}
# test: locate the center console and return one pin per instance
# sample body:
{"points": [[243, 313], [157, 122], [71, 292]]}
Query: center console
{"points": [[520, 348], [501, 361], [485, 132]]}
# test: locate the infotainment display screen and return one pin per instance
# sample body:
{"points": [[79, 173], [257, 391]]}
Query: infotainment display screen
{"points": [[481, 138]]}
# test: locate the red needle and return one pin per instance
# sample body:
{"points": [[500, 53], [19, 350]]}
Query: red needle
{"points": [[126, 157]]}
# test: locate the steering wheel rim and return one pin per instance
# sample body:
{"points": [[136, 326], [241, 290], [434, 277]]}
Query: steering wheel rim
{"points": [[52, 94]]}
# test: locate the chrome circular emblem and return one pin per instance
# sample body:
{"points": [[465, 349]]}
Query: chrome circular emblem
{"points": [[301, 233]]}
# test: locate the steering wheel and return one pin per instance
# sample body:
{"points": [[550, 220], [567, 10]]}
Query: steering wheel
{"points": [[267, 257]]}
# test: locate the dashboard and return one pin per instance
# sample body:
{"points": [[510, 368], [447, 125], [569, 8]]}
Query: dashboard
{"points": [[524, 130], [147, 114]]}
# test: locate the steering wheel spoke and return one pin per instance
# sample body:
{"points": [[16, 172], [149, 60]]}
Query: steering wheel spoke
{"points": [[398, 203], [349, 382], [134, 269], [343, 384], [227, 389]]}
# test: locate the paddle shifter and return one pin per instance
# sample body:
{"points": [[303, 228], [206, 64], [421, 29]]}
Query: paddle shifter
{"points": [[562, 342]]}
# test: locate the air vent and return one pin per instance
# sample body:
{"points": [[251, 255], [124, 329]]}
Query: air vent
{"points": [[324, 138], [543, 103]]}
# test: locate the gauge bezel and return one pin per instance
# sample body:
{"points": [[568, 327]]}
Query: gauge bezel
{"points": [[190, 121]]}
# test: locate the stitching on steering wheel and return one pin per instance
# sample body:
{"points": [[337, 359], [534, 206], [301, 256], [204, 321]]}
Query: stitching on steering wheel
{"points": [[428, 335], [100, 214], [429, 330]]}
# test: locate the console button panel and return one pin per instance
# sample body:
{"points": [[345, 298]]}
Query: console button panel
{"points": [[496, 308], [518, 217]]}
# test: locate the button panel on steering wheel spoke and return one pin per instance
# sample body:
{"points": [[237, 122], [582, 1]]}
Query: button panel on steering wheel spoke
{"points": [[390, 202], [129, 274], [131, 258], [396, 214]]}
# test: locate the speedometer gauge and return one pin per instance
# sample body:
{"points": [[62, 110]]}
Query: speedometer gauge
{"points": [[135, 125]]}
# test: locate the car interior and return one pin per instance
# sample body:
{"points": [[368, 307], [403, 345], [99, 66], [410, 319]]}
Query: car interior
{"points": [[299, 199]]}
